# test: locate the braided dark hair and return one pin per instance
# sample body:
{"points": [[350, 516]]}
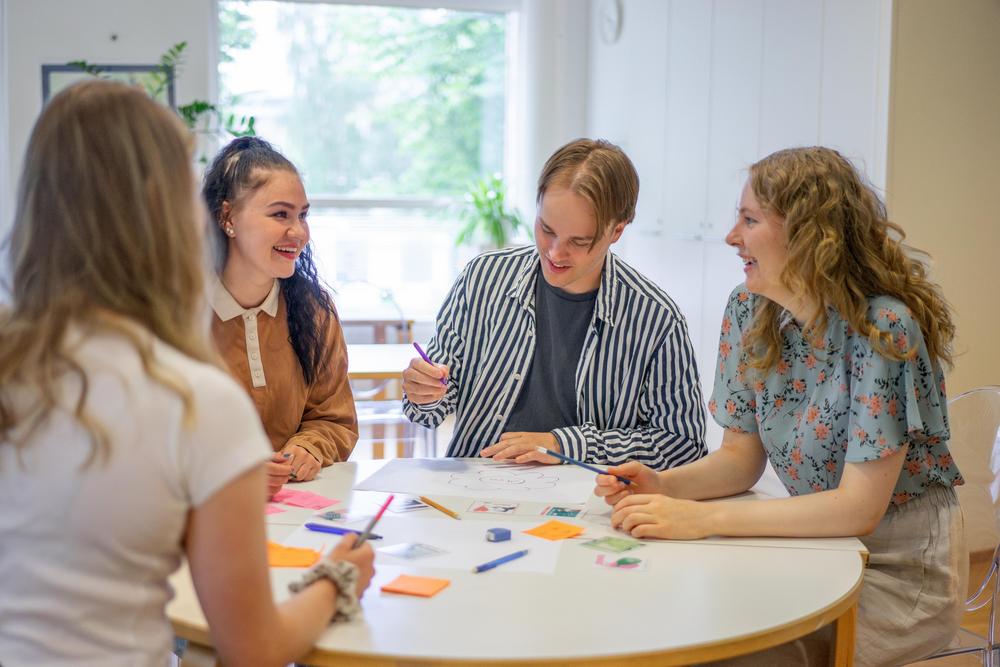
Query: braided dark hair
{"points": [[241, 167]]}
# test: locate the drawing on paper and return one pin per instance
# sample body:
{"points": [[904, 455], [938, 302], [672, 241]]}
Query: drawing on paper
{"points": [[492, 479]]}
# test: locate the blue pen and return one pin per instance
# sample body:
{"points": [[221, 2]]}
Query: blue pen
{"points": [[337, 530], [423, 355], [589, 467], [499, 561]]}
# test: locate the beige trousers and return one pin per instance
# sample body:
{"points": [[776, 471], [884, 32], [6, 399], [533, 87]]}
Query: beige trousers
{"points": [[912, 599]]}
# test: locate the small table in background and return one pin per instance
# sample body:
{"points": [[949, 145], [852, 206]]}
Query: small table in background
{"points": [[378, 361]]}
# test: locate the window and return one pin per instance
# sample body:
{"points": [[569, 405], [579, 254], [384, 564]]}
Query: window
{"points": [[390, 113]]}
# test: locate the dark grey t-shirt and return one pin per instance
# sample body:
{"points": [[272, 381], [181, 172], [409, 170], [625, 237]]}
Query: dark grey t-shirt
{"points": [[548, 398]]}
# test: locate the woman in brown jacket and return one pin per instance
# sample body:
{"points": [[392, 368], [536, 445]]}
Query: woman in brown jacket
{"points": [[274, 323]]}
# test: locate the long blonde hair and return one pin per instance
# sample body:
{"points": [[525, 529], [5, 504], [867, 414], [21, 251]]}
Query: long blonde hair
{"points": [[842, 249], [105, 237]]}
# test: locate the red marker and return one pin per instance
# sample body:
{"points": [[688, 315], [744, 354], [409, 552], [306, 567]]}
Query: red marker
{"points": [[368, 529]]}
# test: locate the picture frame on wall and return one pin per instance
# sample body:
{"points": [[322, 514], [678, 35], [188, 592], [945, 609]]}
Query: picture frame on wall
{"points": [[156, 80]]}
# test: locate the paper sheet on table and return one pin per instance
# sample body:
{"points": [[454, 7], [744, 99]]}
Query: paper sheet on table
{"points": [[464, 544], [483, 478]]}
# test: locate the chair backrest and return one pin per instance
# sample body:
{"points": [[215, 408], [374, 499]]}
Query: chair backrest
{"points": [[974, 418]]}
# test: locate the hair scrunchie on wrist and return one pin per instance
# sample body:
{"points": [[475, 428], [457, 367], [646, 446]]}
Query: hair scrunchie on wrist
{"points": [[344, 576]]}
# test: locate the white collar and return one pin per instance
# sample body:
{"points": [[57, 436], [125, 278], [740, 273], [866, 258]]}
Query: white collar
{"points": [[226, 307]]}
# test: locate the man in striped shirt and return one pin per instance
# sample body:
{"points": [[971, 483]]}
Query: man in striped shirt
{"points": [[563, 345]]}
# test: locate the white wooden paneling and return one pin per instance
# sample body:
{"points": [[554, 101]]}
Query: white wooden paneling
{"points": [[689, 40], [743, 79], [849, 109], [735, 106], [6, 177], [645, 107], [608, 92], [790, 74]]}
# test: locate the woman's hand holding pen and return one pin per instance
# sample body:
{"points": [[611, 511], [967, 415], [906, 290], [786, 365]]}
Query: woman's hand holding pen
{"points": [[644, 480], [422, 381], [363, 558]]}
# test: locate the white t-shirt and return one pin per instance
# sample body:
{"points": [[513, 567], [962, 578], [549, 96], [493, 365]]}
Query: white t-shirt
{"points": [[85, 552]]}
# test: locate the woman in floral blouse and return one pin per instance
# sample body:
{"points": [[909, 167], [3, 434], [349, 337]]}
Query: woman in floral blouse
{"points": [[830, 367]]}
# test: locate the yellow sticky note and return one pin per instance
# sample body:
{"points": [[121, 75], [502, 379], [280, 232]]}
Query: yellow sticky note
{"points": [[278, 555], [407, 584], [555, 530]]}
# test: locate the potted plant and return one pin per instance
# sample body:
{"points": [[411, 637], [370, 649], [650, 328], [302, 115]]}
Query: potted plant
{"points": [[204, 118], [487, 219]]}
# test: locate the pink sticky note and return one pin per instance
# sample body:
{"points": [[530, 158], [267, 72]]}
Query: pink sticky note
{"points": [[306, 499], [273, 509]]}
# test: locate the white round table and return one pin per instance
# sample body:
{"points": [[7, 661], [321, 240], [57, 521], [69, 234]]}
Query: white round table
{"points": [[695, 601]]}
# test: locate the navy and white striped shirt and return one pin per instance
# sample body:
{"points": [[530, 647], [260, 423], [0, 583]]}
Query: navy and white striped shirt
{"points": [[638, 394]]}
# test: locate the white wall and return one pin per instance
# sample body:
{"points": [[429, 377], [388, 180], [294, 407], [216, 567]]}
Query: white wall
{"points": [[696, 91], [552, 71], [6, 191], [126, 32]]}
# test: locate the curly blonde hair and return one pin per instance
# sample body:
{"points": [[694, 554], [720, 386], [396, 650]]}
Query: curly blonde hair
{"points": [[842, 250]]}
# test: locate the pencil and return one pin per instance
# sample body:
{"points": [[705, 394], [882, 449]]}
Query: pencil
{"points": [[440, 508], [563, 457]]}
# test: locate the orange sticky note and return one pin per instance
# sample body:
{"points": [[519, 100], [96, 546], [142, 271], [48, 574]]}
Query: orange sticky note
{"points": [[555, 530], [278, 555], [424, 587]]}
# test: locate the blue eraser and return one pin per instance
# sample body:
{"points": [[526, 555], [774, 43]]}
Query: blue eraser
{"points": [[497, 535], [332, 516]]}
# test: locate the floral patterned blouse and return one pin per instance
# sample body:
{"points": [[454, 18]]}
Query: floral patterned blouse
{"points": [[839, 402]]}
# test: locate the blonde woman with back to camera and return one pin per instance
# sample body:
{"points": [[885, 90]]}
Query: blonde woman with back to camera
{"points": [[123, 445], [830, 366]]}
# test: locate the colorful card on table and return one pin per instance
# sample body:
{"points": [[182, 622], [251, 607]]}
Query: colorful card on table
{"points": [[407, 584], [614, 545], [412, 550], [490, 507], [555, 530], [273, 509], [619, 562], [307, 499], [569, 512], [278, 555]]}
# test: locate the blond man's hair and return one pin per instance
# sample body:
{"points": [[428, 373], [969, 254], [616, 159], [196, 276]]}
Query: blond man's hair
{"points": [[107, 236], [842, 250], [601, 173]]}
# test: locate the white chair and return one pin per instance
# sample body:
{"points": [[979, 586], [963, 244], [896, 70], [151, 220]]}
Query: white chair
{"points": [[975, 421]]}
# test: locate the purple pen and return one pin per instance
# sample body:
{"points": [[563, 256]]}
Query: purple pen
{"points": [[423, 355]]}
